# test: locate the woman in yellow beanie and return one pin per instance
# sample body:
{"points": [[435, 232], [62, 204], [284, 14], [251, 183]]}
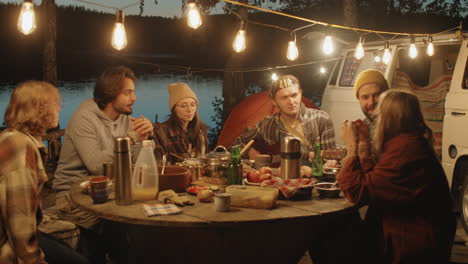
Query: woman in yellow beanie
{"points": [[183, 134]]}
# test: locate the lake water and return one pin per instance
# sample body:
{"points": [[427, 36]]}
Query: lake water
{"points": [[151, 92]]}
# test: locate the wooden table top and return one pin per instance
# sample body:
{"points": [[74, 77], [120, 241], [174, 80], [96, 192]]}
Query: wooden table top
{"points": [[204, 214]]}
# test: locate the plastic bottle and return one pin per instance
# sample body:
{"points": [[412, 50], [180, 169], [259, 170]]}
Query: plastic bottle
{"points": [[234, 172], [145, 180], [317, 162]]}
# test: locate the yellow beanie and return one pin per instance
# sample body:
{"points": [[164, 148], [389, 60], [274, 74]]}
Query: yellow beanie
{"points": [[179, 91], [370, 76]]}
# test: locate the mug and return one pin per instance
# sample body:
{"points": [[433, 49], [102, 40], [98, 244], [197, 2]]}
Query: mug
{"points": [[262, 160], [222, 202], [99, 189]]}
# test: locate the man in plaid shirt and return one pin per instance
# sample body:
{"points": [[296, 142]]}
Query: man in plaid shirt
{"points": [[293, 119]]}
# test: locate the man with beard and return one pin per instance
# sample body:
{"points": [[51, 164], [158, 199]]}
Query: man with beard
{"points": [[368, 86], [89, 142], [293, 119]]}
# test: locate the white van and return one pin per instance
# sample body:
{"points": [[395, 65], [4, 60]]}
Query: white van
{"points": [[441, 83]]}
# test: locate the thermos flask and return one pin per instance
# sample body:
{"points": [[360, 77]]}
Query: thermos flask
{"points": [[290, 158], [122, 171]]}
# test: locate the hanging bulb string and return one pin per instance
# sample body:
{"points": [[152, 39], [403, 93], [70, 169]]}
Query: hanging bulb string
{"points": [[249, 21], [334, 25], [109, 7]]}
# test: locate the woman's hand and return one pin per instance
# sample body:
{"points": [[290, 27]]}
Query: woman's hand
{"points": [[363, 131], [349, 134]]}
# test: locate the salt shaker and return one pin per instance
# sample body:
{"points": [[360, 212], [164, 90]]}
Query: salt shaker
{"points": [[122, 171]]}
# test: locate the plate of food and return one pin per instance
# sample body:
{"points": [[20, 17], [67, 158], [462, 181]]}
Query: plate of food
{"points": [[194, 190]]}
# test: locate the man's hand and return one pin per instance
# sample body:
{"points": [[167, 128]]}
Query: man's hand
{"points": [[142, 128]]}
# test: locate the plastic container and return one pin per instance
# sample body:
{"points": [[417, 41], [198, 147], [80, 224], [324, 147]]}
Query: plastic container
{"points": [[145, 180]]}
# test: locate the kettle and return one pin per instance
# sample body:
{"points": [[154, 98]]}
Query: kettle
{"points": [[290, 158]]}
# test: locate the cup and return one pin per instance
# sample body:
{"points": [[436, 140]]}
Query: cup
{"points": [[262, 160], [222, 202], [99, 189]]}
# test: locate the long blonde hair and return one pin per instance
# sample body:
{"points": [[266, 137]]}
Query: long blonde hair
{"points": [[29, 109], [399, 112]]}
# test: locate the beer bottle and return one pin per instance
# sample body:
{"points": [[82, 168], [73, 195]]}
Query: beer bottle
{"points": [[317, 162]]}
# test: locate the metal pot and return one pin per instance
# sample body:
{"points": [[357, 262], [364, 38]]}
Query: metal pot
{"points": [[215, 162]]}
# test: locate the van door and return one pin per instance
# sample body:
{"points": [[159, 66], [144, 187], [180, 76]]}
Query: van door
{"points": [[455, 138]]}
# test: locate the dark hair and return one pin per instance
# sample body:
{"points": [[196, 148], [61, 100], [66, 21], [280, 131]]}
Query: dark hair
{"points": [[110, 83], [196, 130], [284, 81]]}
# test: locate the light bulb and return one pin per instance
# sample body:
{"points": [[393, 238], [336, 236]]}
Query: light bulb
{"points": [[119, 37], [323, 70], [293, 53], [413, 51], [274, 76], [387, 56], [193, 16], [27, 18], [430, 48], [359, 52], [239, 41], [327, 46], [377, 58]]}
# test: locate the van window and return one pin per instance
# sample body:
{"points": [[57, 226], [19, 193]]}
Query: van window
{"points": [[465, 76], [352, 67], [334, 76]]}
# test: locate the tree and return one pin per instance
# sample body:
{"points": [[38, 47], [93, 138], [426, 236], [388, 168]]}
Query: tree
{"points": [[49, 65]]}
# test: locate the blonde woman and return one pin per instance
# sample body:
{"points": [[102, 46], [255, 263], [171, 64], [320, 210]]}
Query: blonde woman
{"points": [[33, 108], [410, 217]]}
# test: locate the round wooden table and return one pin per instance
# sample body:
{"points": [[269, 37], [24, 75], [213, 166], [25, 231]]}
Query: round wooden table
{"points": [[202, 235]]}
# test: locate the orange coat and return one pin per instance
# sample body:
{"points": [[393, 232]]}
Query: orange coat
{"points": [[410, 217]]}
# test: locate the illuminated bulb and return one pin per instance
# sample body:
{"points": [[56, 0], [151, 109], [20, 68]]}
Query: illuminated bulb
{"points": [[377, 58], [323, 70], [239, 41], [413, 51], [387, 55], [359, 52], [27, 18], [193, 16], [293, 53], [327, 46], [430, 48], [119, 37], [274, 76]]}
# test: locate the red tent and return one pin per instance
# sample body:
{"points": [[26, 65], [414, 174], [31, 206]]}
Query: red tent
{"points": [[247, 114]]}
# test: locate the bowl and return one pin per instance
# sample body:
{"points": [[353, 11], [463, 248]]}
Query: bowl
{"points": [[175, 178], [326, 189]]}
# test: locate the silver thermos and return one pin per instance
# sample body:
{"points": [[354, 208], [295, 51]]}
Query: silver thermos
{"points": [[122, 171], [290, 158]]}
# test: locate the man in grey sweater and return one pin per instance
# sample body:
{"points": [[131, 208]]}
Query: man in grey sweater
{"points": [[89, 138]]}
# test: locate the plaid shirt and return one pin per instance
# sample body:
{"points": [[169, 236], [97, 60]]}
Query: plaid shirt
{"points": [[171, 140], [271, 130], [22, 175]]}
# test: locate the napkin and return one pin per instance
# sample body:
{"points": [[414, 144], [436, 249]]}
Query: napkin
{"points": [[288, 187], [161, 209]]}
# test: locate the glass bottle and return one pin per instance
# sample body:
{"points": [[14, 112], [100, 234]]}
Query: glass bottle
{"points": [[234, 172], [317, 162]]}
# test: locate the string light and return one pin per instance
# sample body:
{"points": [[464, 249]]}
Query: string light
{"points": [[430, 47], [387, 55], [323, 70], [119, 37], [27, 18], [359, 52], [377, 58], [193, 16], [239, 40], [292, 52], [413, 51], [327, 46], [274, 76]]}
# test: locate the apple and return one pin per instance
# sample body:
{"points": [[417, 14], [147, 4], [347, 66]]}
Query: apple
{"points": [[253, 176], [265, 170], [205, 196], [264, 177]]}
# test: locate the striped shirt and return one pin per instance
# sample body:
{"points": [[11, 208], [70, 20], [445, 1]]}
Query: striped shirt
{"points": [[22, 175], [271, 130]]}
